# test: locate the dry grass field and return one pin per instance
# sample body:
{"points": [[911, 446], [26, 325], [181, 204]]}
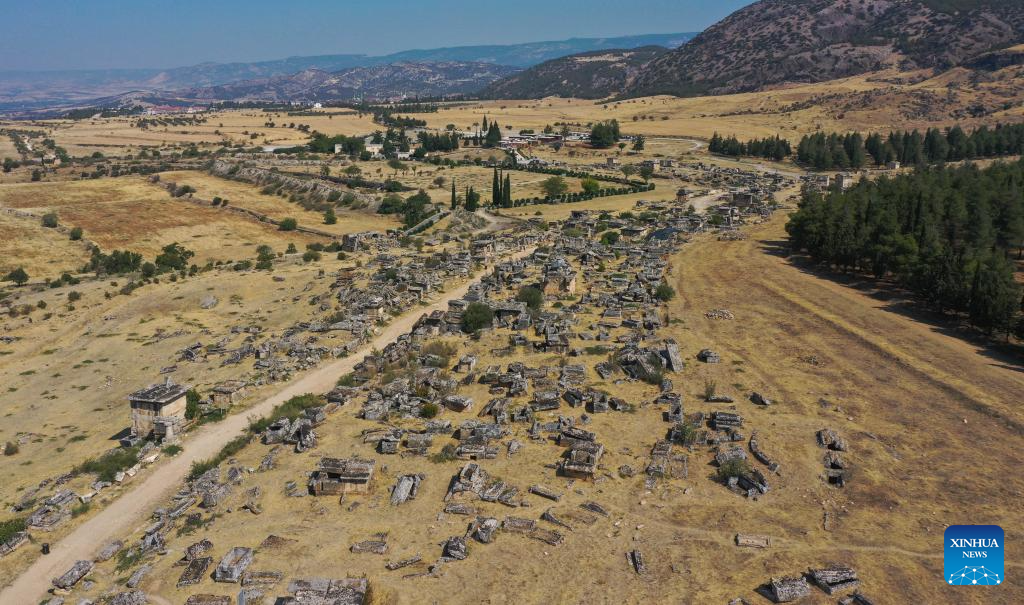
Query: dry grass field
{"points": [[7, 148], [66, 378], [618, 203], [117, 136], [25, 238], [915, 404], [930, 418], [422, 176], [132, 213], [881, 101], [244, 195]]}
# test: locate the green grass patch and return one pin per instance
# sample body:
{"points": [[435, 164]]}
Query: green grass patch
{"points": [[11, 527], [127, 558], [172, 450], [230, 449], [109, 464], [290, 409]]}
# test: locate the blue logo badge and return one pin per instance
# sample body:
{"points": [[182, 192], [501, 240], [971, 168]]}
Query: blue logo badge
{"points": [[974, 555]]}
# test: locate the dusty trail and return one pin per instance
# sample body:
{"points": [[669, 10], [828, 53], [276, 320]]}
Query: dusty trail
{"points": [[132, 508]]}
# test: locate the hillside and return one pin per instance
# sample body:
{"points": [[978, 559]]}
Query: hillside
{"points": [[378, 82], [773, 42], [592, 75]]}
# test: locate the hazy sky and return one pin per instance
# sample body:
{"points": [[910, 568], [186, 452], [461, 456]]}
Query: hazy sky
{"points": [[88, 34]]}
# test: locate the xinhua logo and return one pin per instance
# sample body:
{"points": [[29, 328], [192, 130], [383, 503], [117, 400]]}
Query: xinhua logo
{"points": [[974, 555]]}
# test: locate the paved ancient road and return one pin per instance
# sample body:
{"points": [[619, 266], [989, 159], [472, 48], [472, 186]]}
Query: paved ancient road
{"points": [[153, 486]]}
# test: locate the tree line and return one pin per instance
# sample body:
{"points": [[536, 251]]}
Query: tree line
{"points": [[773, 148], [910, 147], [853, 151], [948, 234]]}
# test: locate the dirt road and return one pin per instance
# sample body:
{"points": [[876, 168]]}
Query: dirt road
{"points": [[132, 508]]}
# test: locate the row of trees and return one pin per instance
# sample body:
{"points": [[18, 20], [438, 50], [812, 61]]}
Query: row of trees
{"points": [[773, 148], [853, 151], [912, 148], [438, 142], [948, 234], [173, 257], [501, 190], [351, 146]]}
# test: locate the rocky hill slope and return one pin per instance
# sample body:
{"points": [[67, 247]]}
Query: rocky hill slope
{"points": [[379, 82], [592, 75], [772, 42]]}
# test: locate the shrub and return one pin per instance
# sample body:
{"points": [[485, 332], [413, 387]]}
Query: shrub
{"points": [[191, 404], [710, 389], [288, 224], [429, 410], [80, 510], [311, 256], [74, 295], [533, 297], [477, 317], [172, 450], [733, 468], [610, 238], [10, 448], [76, 234], [664, 292], [447, 454]]}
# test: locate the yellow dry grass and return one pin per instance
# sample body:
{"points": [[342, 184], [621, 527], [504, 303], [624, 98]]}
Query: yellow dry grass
{"points": [[131, 213], [40, 251], [244, 195], [898, 391], [66, 378], [894, 101], [117, 136], [615, 204], [7, 148]]}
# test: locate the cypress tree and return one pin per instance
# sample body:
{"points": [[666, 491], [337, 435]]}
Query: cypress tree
{"points": [[507, 192], [455, 198], [496, 199]]}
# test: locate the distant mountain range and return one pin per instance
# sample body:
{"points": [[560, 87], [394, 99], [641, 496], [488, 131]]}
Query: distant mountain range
{"points": [[25, 89]]}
